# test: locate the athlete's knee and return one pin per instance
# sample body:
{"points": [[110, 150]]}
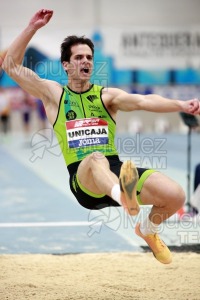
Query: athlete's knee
{"points": [[92, 159], [182, 197], [177, 195], [98, 157]]}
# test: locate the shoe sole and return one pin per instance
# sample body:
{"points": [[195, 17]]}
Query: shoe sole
{"points": [[128, 183]]}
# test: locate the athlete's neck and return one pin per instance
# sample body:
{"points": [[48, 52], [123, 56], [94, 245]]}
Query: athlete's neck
{"points": [[79, 86]]}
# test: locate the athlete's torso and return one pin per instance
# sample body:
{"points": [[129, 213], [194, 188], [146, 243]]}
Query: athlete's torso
{"points": [[84, 125]]}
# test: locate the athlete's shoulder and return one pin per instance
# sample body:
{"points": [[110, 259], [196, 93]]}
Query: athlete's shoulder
{"points": [[111, 92], [96, 88]]}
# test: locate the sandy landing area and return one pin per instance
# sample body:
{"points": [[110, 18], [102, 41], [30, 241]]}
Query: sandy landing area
{"points": [[105, 276]]}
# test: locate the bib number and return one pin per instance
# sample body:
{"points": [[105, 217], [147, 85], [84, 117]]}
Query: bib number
{"points": [[87, 132]]}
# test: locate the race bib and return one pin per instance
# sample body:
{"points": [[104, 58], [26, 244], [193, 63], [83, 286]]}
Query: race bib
{"points": [[87, 132]]}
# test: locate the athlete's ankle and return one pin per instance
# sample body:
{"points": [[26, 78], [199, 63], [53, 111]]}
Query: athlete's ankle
{"points": [[115, 193], [148, 227]]}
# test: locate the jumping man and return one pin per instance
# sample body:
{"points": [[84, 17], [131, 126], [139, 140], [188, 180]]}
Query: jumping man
{"points": [[98, 178]]}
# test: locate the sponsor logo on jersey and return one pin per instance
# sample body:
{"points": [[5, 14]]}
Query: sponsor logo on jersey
{"points": [[91, 98], [71, 103], [87, 132], [71, 115], [94, 107]]}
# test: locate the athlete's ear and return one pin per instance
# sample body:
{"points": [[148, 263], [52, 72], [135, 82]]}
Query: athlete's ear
{"points": [[65, 65]]}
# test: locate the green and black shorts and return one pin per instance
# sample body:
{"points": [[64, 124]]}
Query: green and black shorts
{"points": [[90, 200]]}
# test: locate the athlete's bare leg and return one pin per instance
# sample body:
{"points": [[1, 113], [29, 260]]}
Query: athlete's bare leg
{"points": [[95, 175], [158, 190], [167, 197], [164, 194]]}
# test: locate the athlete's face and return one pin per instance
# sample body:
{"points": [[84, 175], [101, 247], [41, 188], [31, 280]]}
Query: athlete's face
{"points": [[81, 63]]}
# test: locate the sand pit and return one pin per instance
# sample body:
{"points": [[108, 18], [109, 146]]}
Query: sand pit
{"points": [[105, 276]]}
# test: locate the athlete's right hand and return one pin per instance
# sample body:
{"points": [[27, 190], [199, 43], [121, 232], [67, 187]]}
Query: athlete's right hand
{"points": [[41, 18]]}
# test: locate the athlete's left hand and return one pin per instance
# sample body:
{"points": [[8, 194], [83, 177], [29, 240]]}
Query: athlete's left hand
{"points": [[192, 106]]}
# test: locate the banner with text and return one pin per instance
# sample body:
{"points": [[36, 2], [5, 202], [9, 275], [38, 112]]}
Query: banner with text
{"points": [[154, 48]]}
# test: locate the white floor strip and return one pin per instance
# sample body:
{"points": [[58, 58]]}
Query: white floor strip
{"points": [[48, 224], [91, 226]]}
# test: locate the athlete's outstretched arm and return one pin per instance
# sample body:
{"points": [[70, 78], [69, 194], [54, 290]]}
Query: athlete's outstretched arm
{"points": [[12, 63], [120, 100]]}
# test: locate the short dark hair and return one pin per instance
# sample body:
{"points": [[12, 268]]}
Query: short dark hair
{"points": [[73, 40]]}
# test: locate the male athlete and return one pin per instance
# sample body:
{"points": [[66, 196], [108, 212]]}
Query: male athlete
{"points": [[84, 115]]}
